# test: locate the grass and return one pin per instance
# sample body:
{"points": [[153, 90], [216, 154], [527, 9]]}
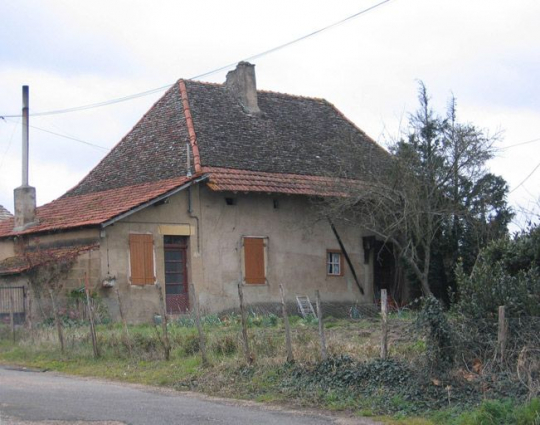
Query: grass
{"points": [[379, 389]]}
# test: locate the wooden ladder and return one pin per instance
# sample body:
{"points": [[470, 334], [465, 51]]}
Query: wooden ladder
{"points": [[305, 306]]}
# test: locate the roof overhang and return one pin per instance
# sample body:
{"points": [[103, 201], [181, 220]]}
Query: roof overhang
{"points": [[154, 201]]}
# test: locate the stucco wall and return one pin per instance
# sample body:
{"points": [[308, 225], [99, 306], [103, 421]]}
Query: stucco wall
{"points": [[7, 249], [140, 303], [297, 244]]}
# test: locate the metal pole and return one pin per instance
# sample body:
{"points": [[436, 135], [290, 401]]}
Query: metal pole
{"points": [[25, 137]]}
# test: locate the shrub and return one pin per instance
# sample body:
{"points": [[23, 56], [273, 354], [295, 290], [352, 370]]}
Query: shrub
{"points": [[507, 273], [439, 339], [225, 345], [190, 344]]}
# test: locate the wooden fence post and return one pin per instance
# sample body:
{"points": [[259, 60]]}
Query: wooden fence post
{"points": [[290, 357], [324, 354], [502, 334], [57, 320], [12, 314], [29, 316], [384, 324], [124, 322], [202, 339], [90, 311], [166, 342], [247, 354]]}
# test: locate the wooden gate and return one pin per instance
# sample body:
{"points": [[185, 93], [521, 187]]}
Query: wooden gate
{"points": [[12, 298]]}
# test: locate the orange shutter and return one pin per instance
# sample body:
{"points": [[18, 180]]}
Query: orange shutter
{"points": [[254, 260], [141, 248]]}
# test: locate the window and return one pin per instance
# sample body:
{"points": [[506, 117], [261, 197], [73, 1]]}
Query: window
{"points": [[333, 263], [141, 256], [254, 260]]}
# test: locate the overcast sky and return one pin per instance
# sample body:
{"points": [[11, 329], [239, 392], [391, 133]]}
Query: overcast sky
{"points": [[72, 53]]}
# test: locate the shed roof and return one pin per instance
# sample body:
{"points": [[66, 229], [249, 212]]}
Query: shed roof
{"points": [[37, 257], [93, 208]]}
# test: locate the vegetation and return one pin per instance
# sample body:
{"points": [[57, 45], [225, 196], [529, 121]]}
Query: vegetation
{"points": [[352, 379], [435, 202]]}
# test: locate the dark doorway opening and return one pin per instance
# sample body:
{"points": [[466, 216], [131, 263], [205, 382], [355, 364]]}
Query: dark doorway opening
{"points": [[386, 274], [176, 276]]}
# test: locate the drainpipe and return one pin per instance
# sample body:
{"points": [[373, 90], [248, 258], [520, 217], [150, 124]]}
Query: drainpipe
{"points": [[190, 212]]}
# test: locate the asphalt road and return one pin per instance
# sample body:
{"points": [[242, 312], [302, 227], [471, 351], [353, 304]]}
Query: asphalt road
{"points": [[30, 397]]}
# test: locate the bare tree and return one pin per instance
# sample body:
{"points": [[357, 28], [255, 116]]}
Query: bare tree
{"points": [[417, 199]]}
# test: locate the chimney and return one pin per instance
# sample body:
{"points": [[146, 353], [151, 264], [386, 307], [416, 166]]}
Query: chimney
{"points": [[25, 195], [241, 82]]}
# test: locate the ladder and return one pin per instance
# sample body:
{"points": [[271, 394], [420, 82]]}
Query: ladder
{"points": [[305, 306]]}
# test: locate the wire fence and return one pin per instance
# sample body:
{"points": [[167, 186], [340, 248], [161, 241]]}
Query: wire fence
{"points": [[271, 334]]}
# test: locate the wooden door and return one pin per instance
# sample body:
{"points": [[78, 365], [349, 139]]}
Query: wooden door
{"points": [[176, 277]]}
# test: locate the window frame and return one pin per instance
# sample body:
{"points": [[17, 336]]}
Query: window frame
{"points": [[265, 242], [329, 262]]}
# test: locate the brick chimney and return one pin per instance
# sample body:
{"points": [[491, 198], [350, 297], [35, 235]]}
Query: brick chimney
{"points": [[25, 195], [241, 82]]}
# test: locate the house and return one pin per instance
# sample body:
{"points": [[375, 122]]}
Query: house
{"points": [[212, 187], [4, 213]]}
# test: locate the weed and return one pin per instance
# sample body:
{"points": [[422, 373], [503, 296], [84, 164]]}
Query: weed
{"points": [[191, 344], [225, 345]]}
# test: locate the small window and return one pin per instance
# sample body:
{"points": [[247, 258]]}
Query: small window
{"points": [[254, 260], [141, 258], [333, 263]]}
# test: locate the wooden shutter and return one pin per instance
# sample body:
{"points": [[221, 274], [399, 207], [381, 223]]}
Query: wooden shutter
{"points": [[141, 249], [255, 270]]}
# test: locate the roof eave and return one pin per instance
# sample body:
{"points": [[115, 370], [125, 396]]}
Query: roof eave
{"points": [[154, 201]]}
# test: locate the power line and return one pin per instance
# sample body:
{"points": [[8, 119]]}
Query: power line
{"points": [[67, 137], [71, 138], [9, 145], [93, 105], [520, 144], [525, 179], [222, 68]]}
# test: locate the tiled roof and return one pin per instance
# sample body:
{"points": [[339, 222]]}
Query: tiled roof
{"points": [[21, 263], [155, 149], [4, 213], [93, 208], [296, 145], [292, 135], [224, 179]]}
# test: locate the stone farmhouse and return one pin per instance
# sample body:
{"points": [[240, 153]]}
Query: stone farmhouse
{"points": [[214, 186]]}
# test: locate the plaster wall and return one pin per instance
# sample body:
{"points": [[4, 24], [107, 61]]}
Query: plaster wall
{"points": [[296, 252], [140, 303], [298, 241], [7, 249], [66, 238]]}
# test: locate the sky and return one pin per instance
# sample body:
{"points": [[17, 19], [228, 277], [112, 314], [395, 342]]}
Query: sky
{"points": [[485, 53]]}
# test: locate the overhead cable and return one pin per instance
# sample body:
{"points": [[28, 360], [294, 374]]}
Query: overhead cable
{"points": [[205, 74]]}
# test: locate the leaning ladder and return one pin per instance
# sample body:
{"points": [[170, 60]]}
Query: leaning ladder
{"points": [[305, 306]]}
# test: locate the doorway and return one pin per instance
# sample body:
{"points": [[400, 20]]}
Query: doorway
{"points": [[176, 276], [385, 274]]}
